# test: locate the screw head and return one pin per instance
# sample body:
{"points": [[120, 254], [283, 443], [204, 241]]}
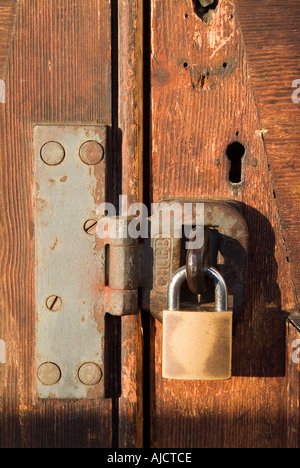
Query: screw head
{"points": [[91, 153], [49, 373], [90, 227], [90, 374], [53, 303], [52, 153]]}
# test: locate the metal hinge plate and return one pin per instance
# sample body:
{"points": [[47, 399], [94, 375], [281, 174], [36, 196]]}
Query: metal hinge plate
{"points": [[70, 182]]}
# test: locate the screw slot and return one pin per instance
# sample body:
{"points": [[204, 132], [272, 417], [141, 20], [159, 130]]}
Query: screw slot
{"points": [[90, 227], [54, 303]]}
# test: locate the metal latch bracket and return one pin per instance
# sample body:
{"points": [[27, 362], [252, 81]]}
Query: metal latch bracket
{"points": [[70, 182]]}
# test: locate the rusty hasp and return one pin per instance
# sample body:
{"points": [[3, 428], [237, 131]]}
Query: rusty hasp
{"points": [[119, 294], [197, 259], [228, 252], [80, 275], [70, 182]]}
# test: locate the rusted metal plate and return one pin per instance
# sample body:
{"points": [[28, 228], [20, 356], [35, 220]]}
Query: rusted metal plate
{"points": [[70, 182], [119, 296], [167, 253]]}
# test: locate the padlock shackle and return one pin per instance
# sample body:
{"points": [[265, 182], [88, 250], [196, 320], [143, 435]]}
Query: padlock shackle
{"points": [[178, 279], [174, 289], [221, 294]]}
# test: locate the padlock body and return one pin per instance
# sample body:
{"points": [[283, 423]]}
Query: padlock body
{"points": [[197, 345]]}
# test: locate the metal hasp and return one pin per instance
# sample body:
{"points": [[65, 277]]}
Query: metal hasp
{"points": [[119, 296], [70, 182], [167, 254], [198, 258]]}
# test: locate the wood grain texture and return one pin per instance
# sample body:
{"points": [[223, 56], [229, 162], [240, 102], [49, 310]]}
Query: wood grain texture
{"points": [[202, 100], [8, 13], [271, 35], [59, 71], [130, 45], [292, 387]]}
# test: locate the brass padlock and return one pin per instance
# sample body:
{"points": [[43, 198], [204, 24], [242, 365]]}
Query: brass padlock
{"points": [[197, 344]]}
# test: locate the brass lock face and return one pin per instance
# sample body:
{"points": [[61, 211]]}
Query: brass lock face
{"points": [[197, 345]]}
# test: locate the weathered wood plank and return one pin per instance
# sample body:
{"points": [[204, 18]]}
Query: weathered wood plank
{"points": [[8, 12], [202, 100], [130, 43], [271, 35], [292, 385], [59, 71]]}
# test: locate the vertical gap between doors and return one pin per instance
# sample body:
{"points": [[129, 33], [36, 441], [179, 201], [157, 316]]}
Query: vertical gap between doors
{"points": [[116, 321], [146, 317]]}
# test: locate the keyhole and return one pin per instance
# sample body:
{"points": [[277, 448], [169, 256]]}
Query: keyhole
{"points": [[235, 153]]}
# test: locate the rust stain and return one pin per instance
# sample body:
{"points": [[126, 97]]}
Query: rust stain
{"points": [[95, 391], [42, 203], [205, 78], [162, 76], [99, 317], [99, 171], [52, 247], [64, 179]]}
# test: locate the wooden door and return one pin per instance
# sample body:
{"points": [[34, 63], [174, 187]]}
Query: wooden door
{"points": [[219, 75], [177, 84], [60, 62]]}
